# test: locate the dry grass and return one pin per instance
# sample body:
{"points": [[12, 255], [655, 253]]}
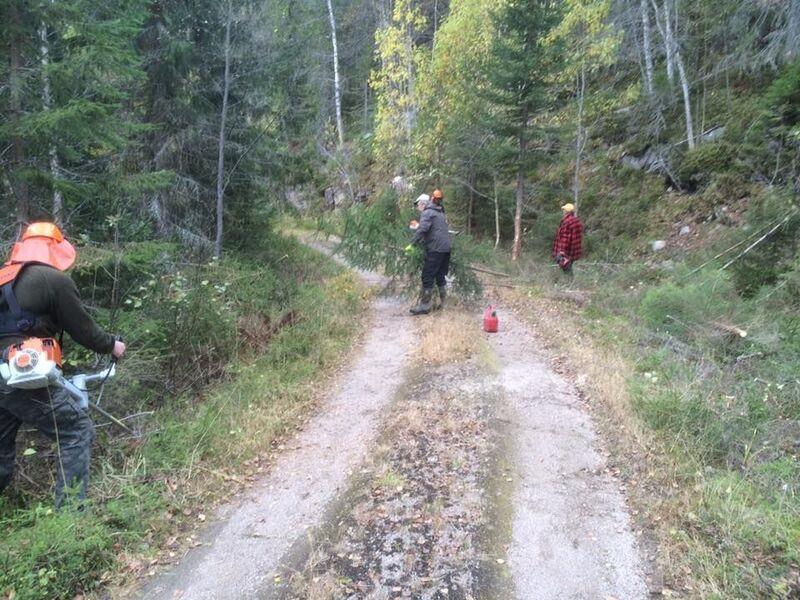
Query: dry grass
{"points": [[601, 370], [323, 587], [450, 336]]}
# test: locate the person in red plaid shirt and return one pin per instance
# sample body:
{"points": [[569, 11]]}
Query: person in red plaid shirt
{"points": [[568, 245]]}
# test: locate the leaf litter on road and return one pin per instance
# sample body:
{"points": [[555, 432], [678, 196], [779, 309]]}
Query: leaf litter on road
{"points": [[414, 526]]}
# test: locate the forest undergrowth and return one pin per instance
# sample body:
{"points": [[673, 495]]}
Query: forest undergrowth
{"points": [[226, 358]]}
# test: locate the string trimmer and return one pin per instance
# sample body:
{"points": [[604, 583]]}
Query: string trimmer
{"points": [[36, 363]]}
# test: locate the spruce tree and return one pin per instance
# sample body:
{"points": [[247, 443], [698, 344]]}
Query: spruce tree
{"points": [[73, 68], [518, 76]]}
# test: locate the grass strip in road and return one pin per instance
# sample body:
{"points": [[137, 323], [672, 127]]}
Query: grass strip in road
{"points": [[416, 520]]}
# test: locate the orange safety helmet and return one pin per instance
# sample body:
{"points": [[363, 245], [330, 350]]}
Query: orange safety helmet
{"points": [[45, 244], [437, 195]]}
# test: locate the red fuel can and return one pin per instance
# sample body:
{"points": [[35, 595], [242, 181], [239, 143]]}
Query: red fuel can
{"points": [[490, 320]]}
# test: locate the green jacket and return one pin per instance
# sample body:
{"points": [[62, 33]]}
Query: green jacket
{"points": [[48, 292]]}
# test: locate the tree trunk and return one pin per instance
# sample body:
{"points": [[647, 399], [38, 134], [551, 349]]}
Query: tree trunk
{"points": [[648, 48], [669, 45], [226, 82], [383, 12], [366, 106], [411, 110], [471, 207], [687, 98], [793, 31], [579, 139], [15, 104], [640, 58], [152, 42], [674, 56], [47, 104], [336, 83], [520, 192], [496, 215]]}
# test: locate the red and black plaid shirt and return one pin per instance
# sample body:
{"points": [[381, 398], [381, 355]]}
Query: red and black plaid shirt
{"points": [[569, 239]]}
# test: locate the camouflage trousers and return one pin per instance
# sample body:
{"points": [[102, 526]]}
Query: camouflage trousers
{"points": [[56, 415]]}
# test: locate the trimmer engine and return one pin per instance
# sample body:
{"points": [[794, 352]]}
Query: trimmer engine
{"points": [[36, 364], [32, 364]]}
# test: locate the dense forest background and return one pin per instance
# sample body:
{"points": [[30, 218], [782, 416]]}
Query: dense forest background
{"points": [[169, 137], [161, 113]]}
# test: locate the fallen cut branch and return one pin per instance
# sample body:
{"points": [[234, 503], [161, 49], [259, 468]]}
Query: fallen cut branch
{"points": [[127, 418], [482, 270], [225, 476], [505, 285], [744, 357], [724, 252], [758, 241], [574, 296], [730, 329]]}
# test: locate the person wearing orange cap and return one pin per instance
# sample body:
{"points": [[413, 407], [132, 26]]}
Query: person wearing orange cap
{"points": [[37, 299]]}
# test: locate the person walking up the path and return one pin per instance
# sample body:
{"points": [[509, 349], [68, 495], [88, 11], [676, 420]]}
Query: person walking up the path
{"points": [[39, 300], [433, 232], [568, 245]]}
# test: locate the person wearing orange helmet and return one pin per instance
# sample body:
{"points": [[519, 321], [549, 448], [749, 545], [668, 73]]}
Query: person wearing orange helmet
{"points": [[37, 299], [434, 233]]}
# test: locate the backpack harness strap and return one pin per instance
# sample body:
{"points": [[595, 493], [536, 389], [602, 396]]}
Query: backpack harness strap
{"points": [[14, 320]]}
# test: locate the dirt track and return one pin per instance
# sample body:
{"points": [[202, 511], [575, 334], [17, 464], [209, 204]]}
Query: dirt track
{"points": [[571, 535], [242, 548], [475, 479]]}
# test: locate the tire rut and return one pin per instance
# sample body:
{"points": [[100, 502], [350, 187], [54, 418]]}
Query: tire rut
{"points": [[416, 524], [242, 548], [571, 534]]}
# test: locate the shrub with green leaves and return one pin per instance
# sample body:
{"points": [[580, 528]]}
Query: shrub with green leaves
{"points": [[783, 97], [778, 219], [699, 165], [689, 308]]}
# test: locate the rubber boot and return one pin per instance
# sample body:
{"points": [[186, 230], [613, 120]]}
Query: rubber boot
{"points": [[424, 306], [442, 297]]}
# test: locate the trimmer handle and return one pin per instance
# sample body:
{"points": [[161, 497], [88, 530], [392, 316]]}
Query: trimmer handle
{"points": [[117, 338], [102, 375]]}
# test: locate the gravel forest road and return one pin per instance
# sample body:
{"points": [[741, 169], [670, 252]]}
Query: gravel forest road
{"points": [[477, 479]]}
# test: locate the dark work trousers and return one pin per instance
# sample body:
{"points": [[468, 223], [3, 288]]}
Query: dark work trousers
{"points": [[56, 415], [435, 269]]}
